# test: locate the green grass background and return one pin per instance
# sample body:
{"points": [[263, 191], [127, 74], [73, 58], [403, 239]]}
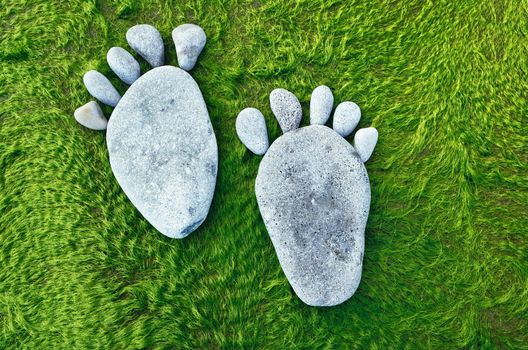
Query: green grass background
{"points": [[446, 261]]}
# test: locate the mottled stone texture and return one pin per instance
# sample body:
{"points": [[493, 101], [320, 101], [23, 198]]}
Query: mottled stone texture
{"points": [[286, 108], [314, 196], [147, 42], [163, 150], [189, 40]]}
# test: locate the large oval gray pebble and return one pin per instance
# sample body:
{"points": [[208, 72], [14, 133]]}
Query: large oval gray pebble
{"points": [[101, 88], [163, 150], [321, 104], [313, 194], [286, 108], [252, 131], [147, 42], [123, 64], [189, 40]]}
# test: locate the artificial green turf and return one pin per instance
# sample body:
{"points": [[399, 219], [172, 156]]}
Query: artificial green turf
{"points": [[446, 261]]}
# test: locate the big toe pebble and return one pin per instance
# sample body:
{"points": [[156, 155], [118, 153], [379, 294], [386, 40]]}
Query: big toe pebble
{"points": [[189, 40], [286, 108], [91, 116], [147, 42]]}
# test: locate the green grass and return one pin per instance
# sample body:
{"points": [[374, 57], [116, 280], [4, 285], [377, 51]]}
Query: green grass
{"points": [[446, 261]]}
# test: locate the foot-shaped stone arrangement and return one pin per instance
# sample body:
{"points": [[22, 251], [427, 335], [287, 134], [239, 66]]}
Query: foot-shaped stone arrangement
{"points": [[160, 139], [313, 192]]}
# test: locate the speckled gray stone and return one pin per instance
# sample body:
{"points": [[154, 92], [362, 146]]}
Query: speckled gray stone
{"points": [[163, 150], [314, 196], [346, 118], [189, 40], [286, 108], [321, 104], [147, 42], [123, 64], [364, 142], [91, 116], [252, 131], [101, 88]]}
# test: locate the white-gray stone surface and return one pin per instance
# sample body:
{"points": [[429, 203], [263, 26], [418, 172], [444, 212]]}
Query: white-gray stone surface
{"points": [[286, 108], [321, 104], [346, 118], [91, 116], [364, 142], [101, 88], [252, 131], [313, 194], [123, 64], [147, 42], [163, 150], [189, 40]]}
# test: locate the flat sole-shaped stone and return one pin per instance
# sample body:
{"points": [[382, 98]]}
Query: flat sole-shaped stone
{"points": [[163, 150], [313, 193]]}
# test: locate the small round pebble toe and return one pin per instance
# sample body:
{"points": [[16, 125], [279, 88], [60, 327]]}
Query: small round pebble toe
{"points": [[91, 116], [123, 64], [252, 131]]}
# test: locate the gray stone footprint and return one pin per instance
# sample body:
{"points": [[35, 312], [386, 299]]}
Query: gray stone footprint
{"points": [[313, 192], [160, 139]]}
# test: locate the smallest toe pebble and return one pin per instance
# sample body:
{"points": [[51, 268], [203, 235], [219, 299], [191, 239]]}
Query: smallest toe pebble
{"points": [[91, 116], [147, 42], [321, 104], [101, 88], [346, 118], [364, 142], [123, 64], [286, 108], [252, 131], [189, 40]]}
